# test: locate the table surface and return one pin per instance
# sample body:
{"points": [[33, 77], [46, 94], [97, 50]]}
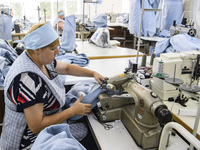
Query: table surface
{"points": [[118, 137], [186, 121], [153, 38], [106, 67], [95, 52], [117, 24]]}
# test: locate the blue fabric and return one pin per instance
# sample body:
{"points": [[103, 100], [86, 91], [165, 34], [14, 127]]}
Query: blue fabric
{"points": [[161, 46], [56, 137], [40, 37], [7, 57], [164, 33], [77, 59], [68, 35], [156, 3], [99, 20], [90, 91], [176, 43], [6, 34], [171, 10], [134, 17], [148, 20]]}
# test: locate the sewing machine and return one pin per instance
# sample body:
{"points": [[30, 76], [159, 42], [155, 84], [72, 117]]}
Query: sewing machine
{"points": [[112, 17], [178, 65], [140, 110], [180, 29]]}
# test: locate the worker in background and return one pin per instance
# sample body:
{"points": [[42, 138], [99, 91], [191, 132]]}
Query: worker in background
{"points": [[34, 94], [59, 22]]}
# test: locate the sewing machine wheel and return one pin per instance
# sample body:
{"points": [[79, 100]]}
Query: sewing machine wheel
{"points": [[164, 116]]}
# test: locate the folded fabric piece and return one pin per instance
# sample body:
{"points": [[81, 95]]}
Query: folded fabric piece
{"points": [[77, 59], [176, 43], [68, 35], [90, 91], [56, 137]]}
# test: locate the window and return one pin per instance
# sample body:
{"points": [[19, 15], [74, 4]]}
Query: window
{"points": [[45, 10]]}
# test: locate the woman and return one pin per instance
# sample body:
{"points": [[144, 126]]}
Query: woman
{"points": [[34, 94], [59, 22]]}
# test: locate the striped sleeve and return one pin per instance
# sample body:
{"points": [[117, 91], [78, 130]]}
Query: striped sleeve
{"points": [[27, 89]]}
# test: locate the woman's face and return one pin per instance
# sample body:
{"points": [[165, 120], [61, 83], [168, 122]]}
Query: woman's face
{"points": [[47, 55]]}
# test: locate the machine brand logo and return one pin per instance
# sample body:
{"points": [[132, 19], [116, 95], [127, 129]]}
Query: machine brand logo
{"points": [[140, 88], [141, 112], [141, 103]]}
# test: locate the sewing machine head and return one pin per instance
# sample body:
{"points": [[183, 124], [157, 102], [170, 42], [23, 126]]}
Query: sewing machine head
{"points": [[141, 111]]}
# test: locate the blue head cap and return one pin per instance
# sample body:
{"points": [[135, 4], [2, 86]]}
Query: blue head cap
{"points": [[40, 37], [61, 13]]}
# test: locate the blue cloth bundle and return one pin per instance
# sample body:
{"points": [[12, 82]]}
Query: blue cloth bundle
{"points": [[176, 43], [99, 20], [56, 137], [90, 92]]}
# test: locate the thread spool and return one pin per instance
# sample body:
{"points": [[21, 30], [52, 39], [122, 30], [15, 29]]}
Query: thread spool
{"points": [[153, 55], [160, 73], [144, 59], [160, 67]]}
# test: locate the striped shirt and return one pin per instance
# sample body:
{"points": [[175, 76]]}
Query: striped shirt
{"points": [[28, 89]]}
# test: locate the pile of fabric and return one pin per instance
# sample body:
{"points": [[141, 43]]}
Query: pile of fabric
{"points": [[177, 43]]}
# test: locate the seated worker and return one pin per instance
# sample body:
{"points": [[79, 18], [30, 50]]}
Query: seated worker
{"points": [[59, 22], [34, 94]]}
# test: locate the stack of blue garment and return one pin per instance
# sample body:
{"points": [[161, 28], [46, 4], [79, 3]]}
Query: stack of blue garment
{"points": [[7, 57], [78, 59], [175, 43]]}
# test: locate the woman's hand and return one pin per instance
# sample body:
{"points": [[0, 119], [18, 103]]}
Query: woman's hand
{"points": [[98, 77], [81, 108]]}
